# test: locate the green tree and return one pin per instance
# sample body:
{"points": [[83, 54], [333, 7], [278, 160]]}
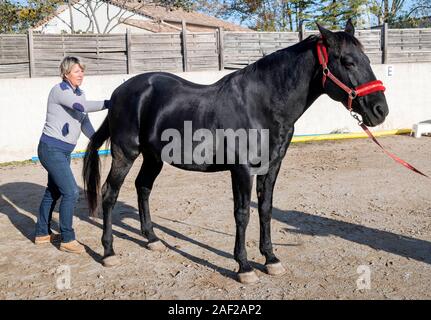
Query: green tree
{"points": [[264, 15], [17, 17], [335, 13], [386, 10], [8, 16], [418, 15], [36, 10], [288, 15], [216, 8], [302, 12], [185, 4]]}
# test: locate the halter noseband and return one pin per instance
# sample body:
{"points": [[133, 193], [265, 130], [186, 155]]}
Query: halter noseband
{"points": [[359, 91]]}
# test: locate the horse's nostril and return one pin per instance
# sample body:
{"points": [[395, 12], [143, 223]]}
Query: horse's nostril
{"points": [[378, 111]]}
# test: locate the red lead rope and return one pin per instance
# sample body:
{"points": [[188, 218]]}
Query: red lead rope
{"points": [[401, 161], [359, 91]]}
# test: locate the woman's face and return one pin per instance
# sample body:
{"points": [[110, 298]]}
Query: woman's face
{"points": [[75, 76]]}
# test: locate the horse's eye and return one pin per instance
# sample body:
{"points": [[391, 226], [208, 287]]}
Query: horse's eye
{"points": [[348, 63]]}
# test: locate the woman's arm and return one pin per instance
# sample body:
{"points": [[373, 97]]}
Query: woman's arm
{"points": [[87, 127], [65, 96]]}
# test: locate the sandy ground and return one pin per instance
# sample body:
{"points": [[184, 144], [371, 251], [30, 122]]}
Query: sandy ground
{"points": [[338, 206]]}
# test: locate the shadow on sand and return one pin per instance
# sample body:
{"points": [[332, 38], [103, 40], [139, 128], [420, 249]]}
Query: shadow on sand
{"points": [[11, 205]]}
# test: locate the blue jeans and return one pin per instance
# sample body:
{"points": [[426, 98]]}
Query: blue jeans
{"points": [[61, 183]]}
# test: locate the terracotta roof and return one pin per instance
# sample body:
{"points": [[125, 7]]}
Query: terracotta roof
{"points": [[150, 25], [176, 15], [161, 15]]}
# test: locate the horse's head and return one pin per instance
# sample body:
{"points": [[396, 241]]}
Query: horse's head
{"points": [[347, 61]]}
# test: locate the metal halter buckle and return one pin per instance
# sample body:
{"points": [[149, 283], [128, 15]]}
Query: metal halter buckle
{"points": [[356, 117], [353, 95]]}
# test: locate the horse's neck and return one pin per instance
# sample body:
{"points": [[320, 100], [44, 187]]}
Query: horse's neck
{"points": [[297, 81]]}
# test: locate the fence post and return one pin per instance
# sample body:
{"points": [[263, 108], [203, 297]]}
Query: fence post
{"points": [[129, 50], [184, 40], [221, 48], [384, 43], [30, 53], [302, 32]]}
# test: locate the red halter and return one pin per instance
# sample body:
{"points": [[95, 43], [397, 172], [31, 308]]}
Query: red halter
{"points": [[359, 91]]}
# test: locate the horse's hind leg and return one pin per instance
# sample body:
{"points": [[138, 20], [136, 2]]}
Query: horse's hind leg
{"points": [[241, 187], [121, 164], [144, 183]]}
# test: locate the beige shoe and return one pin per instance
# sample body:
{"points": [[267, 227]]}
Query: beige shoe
{"points": [[50, 238], [72, 247]]}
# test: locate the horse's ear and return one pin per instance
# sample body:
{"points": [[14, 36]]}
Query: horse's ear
{"points": [[327, 35], [350, 28]]}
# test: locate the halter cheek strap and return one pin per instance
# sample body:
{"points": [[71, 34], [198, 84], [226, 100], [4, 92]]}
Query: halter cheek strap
{"points": [[359, 91]]}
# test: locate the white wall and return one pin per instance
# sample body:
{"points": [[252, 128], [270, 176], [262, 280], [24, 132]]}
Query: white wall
{"points": [[23, 106], [81, 22]]}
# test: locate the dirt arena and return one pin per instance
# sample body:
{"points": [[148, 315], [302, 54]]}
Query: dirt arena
{"points": [[338, 206]]}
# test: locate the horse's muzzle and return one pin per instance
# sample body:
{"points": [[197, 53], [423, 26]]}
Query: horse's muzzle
{"points": [[376, 115]]}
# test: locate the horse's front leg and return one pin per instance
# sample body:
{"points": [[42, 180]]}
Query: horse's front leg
{"points": [[144, 183], [241, 185], [265, 187]]}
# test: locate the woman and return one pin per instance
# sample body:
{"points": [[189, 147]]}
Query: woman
{"points": [[65, 119]]}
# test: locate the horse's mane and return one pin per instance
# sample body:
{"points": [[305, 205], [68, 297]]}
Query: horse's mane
{"points": [[277, 57]]}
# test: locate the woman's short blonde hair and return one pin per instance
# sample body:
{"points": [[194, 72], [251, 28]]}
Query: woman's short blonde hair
{"points": [[67, 64]]}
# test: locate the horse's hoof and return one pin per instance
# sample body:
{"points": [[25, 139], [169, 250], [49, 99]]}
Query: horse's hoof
{"points": [[248, 277], [111, 261], [275, 269], [156, 246]]}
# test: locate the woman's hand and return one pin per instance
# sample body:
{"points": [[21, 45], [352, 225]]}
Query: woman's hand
{"points": [[107, 104]]}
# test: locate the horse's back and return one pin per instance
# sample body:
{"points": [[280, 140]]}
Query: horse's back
{"points": [[160, 80]]}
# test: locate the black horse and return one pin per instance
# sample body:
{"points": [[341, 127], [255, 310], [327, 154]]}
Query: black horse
{"points": [[271, 93]]}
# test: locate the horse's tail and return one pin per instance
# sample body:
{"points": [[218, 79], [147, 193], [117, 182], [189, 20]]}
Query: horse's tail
{"points": [[91, 168]]}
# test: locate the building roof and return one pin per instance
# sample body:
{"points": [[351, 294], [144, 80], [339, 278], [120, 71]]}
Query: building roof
{"points": [[59, 10], [176, 15], [164, 19], [150, 25]]}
